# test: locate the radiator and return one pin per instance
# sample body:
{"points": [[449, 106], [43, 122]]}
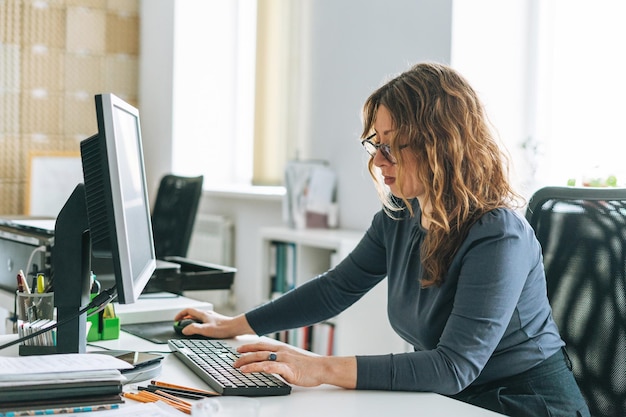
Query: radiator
{"points": [[212, 240]]}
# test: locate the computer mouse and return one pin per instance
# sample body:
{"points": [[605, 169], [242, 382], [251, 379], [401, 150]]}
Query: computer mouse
{"points": [[181, 324]]}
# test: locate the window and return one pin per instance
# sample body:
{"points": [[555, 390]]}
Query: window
{"points": [[214, 89], [237, 90], [551, 73], [581, 87]]}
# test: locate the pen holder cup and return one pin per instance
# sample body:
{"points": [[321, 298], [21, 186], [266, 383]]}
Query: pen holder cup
{"points": [[35, 312], [32, 307]]}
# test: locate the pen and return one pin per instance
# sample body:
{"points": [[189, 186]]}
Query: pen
{"points": [[41, 283], [22, 284], [64, 410], [180, 387], [181, 393], [149, 397]]}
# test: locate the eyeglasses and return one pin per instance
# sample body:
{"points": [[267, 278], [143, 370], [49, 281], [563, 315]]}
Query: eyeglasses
{"points": [[385, 149]]}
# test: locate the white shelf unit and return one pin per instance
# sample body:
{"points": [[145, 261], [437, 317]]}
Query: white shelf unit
{"points": [[361, 329]]}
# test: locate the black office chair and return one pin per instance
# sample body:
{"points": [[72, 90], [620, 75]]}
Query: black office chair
{"points": [[583, 236], [174, 214]]}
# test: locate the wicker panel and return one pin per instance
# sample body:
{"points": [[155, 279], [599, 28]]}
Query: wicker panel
{"points": [[86, 29], [12, 196], [94, 4], [84, 73], [11, 162], [9, 89], [44, 24], [42, 69], [9, 68], [10, 111], [11, 23], [54, 56], [41, 113], [80, 116], [45, 144], [123, 6], [122, 35], [121, 75]]}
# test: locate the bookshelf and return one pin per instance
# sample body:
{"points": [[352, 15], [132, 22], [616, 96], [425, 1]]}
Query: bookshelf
{"points": [[361, 329]]}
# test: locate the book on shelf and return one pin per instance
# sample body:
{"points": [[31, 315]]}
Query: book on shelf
{"points": [[283, 268], [318, 338]]}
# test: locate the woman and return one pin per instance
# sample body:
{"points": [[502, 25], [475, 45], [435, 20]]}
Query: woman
{"points": [[465, 274]]}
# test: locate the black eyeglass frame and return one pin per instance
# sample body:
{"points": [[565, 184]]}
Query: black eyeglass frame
{"points": [[372, 148]]}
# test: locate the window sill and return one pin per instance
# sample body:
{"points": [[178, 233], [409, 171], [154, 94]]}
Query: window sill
{"points": [[249, 192]]}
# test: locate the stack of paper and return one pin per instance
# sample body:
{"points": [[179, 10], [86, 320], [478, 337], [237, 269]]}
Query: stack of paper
{"points": [[74, 379]]}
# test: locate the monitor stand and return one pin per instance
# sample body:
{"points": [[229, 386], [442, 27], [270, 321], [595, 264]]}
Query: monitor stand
{"points": [[71, 273]]}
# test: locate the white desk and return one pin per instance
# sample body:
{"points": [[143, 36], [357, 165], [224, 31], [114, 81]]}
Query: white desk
{"points": [[325, 401]]}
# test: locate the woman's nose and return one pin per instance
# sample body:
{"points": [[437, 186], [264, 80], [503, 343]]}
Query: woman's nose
{"points": [[380, 160]]}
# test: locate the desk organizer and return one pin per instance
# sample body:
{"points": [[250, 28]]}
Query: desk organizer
{"points": [[192, 275], [104, 325]]}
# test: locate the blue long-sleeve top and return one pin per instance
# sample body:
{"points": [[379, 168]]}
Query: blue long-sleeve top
{"points": [[490, 318]]}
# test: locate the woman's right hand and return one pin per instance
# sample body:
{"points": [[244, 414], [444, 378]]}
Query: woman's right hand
{"points": [[214, 325]]}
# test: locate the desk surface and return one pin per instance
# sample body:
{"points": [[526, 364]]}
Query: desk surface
{"points": [[302, 402], [320, 401]]}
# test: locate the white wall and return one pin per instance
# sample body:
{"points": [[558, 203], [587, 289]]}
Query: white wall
{"points": [[156, 79], [354, 46]]}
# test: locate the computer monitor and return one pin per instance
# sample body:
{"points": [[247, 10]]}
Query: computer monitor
{"points": [[106, 217]]}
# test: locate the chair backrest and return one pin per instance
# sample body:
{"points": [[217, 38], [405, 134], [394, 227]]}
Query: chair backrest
{"points": [[174, 214], [582, 232]]}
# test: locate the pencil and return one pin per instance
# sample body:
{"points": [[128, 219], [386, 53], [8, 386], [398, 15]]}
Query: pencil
{"points": [[64, 410], [149, 397], [177, 392], [183, 388]]}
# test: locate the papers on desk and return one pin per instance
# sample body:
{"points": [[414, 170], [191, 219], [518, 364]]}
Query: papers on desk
{"points": [[63, 380], [40, 367]]}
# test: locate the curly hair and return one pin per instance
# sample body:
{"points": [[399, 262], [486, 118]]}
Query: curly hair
{"points": [[438, 114]]}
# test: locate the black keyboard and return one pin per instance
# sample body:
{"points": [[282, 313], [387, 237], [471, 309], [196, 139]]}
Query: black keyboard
{"points": [[212, 361]]}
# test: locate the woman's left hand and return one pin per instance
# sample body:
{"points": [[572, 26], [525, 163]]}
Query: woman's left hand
{"points": [[296, 366]]}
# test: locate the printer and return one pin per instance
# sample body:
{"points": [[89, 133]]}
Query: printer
{"points": [[24, 244]]}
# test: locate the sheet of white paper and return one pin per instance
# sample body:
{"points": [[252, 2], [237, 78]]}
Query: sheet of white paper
{"points": [[321, 190], [23, 367]]}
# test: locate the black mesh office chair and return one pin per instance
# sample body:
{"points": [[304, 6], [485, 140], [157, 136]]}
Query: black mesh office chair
{"points": [[174, 214], [583, 235]]}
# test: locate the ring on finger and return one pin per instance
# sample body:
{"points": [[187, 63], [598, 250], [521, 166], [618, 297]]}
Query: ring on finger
{"points": [[272, 357]]}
